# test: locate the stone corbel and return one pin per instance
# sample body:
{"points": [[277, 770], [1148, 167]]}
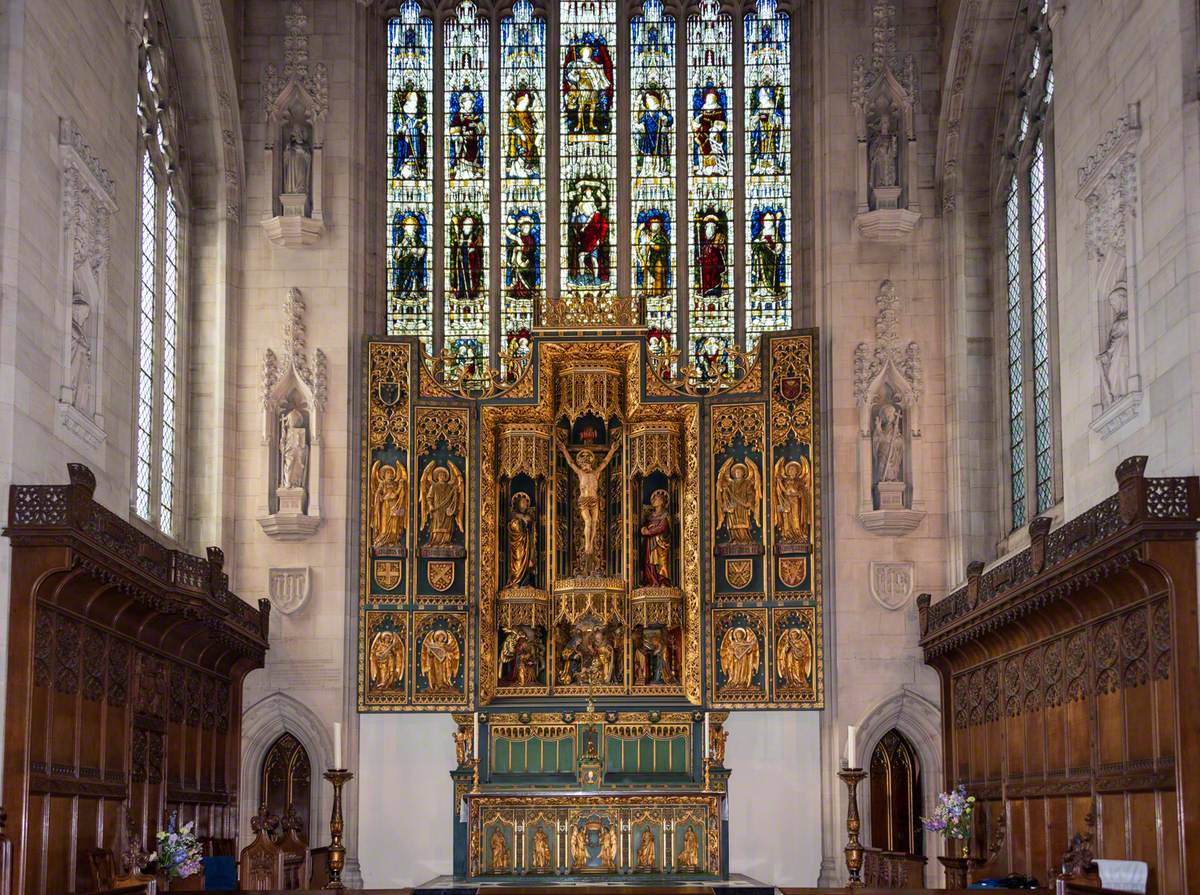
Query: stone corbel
{"points": [[296, 100]]}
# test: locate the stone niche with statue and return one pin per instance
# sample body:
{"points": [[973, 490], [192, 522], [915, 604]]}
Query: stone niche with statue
{"points": [[591, 527]]}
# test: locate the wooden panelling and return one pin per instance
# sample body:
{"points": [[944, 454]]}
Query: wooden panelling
{"points": [[1069, 671], [125, 669]]}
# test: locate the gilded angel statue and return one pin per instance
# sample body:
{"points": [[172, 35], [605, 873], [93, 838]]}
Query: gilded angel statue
{"points": [[792, 512], [793, 655], [739, 499], [739, 657], [387, 659], [439, 659], [389, 504], [442, 493]]}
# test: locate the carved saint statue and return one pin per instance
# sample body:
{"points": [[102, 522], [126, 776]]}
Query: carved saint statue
{"points": [[439, 659], [652, 656], [884, 152], [887, 443], [792, 511], [541, 851], [739, 657], [656, 541], [522, 541], [293, 450], [739, 499], [389, 504], [388, 657], [82, 394], [608, 847], [588, 471], [689, 855], [522, 655], [645, 852], [499, 849], [579, 852], [793, 655], [463, 745], [297, 162], [442, 505], [1114, 359], [716, 744]]}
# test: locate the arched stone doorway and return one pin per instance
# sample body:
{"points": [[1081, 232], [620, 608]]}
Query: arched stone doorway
{"points": [[896, 804]]}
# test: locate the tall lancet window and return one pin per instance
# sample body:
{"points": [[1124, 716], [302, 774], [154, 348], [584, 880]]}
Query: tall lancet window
{"points": [[409, 174], [768, 170], [523, 172], [160, 289], [465, 138], [710, 134], [652, 57], [588, 145]]}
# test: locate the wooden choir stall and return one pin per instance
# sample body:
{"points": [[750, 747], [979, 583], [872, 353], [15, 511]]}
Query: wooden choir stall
{"points": [[125, 669]]}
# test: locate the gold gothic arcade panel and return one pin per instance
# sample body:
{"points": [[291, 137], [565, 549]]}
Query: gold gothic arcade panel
{"points": [[590, 529]]}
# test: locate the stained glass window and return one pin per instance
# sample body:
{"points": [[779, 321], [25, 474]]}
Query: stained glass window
{"points": [[160, 228], [588, 145], [652, 134], [711, 301], [1027, 256], [768, 169], [409, 174], [523, 175]]}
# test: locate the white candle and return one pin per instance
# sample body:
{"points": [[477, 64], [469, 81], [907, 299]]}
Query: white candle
{"points": [[337, 745], [475, 738], [851, 751]]}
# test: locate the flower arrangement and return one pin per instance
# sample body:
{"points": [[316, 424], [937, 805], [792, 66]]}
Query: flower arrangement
{"points": [[178, 853], [952, 816]]}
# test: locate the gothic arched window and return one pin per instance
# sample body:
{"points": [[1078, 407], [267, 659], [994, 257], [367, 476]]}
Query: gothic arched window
{"points": [[161, 225], [592, 148], [1027, 198]]}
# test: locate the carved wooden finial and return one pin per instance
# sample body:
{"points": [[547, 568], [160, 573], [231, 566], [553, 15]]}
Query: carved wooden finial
{"points": [[923, 601], [974, 573], [1039, 528], [81, 476], [1131, 487]]}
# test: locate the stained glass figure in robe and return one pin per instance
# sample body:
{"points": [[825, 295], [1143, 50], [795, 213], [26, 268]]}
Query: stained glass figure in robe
{"points": [[466, 131], [652, 134], [410, 183], [767, 258], [522, 153], [653, 254], [712, 260], [588, 85], [588, 244], [767, 143], [710, 132]]}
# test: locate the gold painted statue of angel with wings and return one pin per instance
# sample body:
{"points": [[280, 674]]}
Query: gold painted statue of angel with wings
{"points": [[389, 504], [739, 657], [793, 655], [442, 495], [739, 499], [792, 511], [387, 659], [439, 659]]}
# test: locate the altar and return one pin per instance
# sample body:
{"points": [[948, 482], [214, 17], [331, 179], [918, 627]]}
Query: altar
{"points": [[590, 559]]}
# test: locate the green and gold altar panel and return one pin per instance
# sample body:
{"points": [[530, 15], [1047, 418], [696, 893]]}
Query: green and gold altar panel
{"points": [[592, 524]]}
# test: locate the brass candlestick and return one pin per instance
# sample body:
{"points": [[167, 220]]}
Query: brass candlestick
{"points": [[337, 851], [854, 849]]}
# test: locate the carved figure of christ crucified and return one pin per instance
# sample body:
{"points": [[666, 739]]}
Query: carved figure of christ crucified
{"points": [[588, 471]]}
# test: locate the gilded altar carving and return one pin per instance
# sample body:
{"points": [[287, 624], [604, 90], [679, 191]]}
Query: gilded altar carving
{"points": [[542, 858], [388, 384], [654, 447], [740, 657], [739, 500], [443, 505], [525, 448], [388, 660], [792, 511]]}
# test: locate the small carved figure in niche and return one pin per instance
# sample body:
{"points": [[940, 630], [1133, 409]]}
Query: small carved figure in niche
{"points": [[884, 154], [689, 855], [579, 853], [389, 504], [887, 443], [522, 655], [588, 652], [656, 541], [587, 471], [463, 745], [293, 450], [793, 498], [297, 162], [522, 541], [82, 395], [716, 744], [541, 851], [442, 504], [608, 847], [739, 499], [645, 852], [652, 657], [739, 657], [499, 848], [1114, 359], [794, 657], [387, 660], [439, 659]]}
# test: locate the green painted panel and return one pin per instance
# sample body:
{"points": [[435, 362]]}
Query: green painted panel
{"points": [[533, 763], [679, 754], [662, 755], [502, 760]]}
